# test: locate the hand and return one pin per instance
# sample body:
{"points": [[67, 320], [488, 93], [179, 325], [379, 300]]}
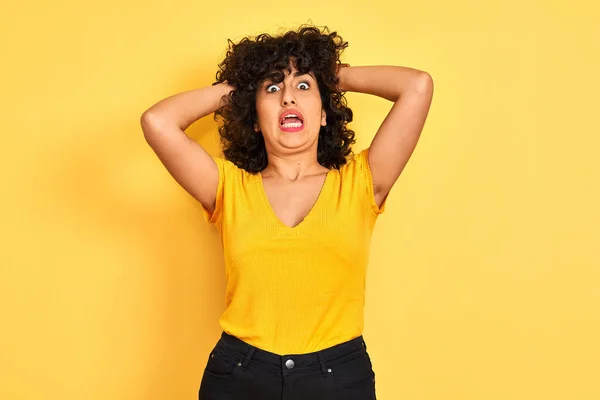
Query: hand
{"points": [[228, 87], [226, 91], [339, 71], [340, 66]]}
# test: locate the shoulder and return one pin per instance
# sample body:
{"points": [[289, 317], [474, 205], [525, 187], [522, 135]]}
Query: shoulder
{"points": [[356, 163], [233, 177]]}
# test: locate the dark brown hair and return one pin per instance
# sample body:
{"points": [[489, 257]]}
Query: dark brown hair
{"points": [[251, 61]]}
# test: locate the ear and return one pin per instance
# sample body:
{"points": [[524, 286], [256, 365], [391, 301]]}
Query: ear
{"points": [[256, 128], [323, 118]]}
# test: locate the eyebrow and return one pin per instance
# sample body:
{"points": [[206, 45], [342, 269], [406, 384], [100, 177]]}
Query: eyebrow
{"points": [[270, 76]]}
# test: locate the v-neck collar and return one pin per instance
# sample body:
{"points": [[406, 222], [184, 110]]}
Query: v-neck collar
{"points": [[268, 205]]}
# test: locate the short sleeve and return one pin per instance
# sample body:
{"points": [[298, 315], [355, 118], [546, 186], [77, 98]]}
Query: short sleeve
{"points": [[361, 171], [215, 216]]}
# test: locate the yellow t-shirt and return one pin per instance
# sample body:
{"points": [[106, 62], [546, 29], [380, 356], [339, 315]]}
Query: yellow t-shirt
{"points": [[302, 289]]}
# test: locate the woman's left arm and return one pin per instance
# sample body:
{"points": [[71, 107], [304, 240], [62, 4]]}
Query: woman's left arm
{"points": [[411, 90]]}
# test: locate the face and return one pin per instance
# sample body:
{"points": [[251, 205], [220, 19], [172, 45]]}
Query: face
{"points": [[299, 94]]}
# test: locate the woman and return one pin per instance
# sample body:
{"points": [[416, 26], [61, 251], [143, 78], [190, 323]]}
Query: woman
{"points": [[294, 210]]}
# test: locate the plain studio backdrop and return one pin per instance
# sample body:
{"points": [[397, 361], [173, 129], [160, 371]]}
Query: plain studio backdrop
{"points": [[484, 276]]}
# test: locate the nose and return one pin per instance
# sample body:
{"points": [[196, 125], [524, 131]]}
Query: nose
{"points": [[288, 96]]}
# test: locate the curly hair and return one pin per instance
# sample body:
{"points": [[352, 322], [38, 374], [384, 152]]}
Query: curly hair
{"points": [[251, 61]]}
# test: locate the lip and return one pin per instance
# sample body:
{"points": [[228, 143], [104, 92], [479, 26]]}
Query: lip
{"points": [[291, 111]]}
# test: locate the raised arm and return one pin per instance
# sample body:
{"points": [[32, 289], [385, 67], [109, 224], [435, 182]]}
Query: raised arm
{"points": [[411, 91], [164, 124]]}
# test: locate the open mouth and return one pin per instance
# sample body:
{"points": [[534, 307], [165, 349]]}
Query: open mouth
{"points": [[292, 122]]}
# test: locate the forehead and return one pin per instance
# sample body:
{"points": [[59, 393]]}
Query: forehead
{"points": [[290, 72]]}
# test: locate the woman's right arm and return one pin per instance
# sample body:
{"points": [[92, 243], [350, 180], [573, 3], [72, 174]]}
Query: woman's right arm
{"points": [[164, 127]]}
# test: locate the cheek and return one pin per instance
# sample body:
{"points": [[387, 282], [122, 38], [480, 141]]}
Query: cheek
{"points": [[265, 108], [316, 111], [262, 112]]}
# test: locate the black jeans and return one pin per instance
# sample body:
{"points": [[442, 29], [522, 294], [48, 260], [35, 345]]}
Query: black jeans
{"points": [[237, 370]]}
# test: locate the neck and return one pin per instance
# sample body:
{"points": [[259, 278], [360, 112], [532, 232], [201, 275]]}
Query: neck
{"points": [[292, 168]]}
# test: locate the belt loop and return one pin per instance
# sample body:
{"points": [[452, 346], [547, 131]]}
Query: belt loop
{"points": [[248, 356], [324, 369], [364, 343]]}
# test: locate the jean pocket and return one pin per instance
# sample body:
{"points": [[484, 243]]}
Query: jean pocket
{"points": [[352, 369], [222, 363]]}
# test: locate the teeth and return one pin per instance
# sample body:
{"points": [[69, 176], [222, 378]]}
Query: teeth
{"points": [[289, 116], [292, 125]]}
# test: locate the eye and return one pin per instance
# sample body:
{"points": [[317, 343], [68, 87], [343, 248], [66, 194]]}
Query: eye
{"points": [[305, 84], [272, 86]]}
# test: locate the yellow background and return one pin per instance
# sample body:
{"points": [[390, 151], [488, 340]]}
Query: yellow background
{"points": [[484, 279]]}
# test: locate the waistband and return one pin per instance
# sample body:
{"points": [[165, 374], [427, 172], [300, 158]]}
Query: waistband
{"points": [[290, 362]]}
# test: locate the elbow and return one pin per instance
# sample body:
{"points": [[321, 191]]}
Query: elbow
{"points": [[424, 83], [147, 118], [150, 122]]}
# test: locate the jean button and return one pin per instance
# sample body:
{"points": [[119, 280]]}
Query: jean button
{"points": [[289, 364]]}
